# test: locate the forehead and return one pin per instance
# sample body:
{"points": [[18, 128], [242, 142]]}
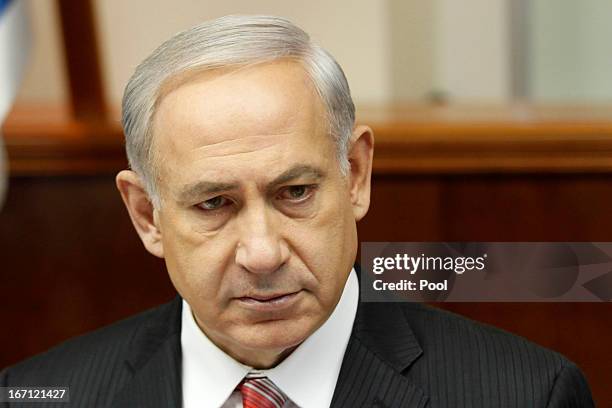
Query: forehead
{"points": [[251, 106]]}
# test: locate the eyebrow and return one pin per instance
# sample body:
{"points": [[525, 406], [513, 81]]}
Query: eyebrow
{"points": [[203, 188], [296, 172]]}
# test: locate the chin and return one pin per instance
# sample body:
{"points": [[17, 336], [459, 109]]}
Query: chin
{"points": [[276, 335]]}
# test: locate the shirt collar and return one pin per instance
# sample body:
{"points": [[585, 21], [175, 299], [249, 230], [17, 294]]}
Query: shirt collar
{"points": [[307, 376], [209, 375]]}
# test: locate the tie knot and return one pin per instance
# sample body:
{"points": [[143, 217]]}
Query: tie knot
{"points": [[260, 392]]}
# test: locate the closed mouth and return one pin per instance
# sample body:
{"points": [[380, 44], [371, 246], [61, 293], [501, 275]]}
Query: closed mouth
{"points": [[267, 298]]}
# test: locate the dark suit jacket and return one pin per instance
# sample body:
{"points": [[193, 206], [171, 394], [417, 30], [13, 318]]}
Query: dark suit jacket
{"points": [[399, 355]]}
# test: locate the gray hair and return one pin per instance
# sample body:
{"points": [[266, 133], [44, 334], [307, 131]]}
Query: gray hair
{"points": [[230, 41]]}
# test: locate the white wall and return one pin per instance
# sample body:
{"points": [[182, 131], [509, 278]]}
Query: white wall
{"points": [[413, 42], [571, 54], [354, 31], [44, 80], [472, 47], [391, 50]]}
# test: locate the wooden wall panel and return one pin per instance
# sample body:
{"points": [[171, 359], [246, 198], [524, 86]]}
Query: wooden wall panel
{"points": [[403, 208], [528, 207], [82, 60], [70, 262]]}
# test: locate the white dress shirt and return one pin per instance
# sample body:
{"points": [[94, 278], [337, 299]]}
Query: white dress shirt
{"points": [[307, 376]]}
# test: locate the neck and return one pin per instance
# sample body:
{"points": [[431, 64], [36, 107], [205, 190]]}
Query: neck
{"points": [[261, 360]]}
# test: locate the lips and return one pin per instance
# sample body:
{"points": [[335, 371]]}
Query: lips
{"points": [[277, 302], [267, 298]]}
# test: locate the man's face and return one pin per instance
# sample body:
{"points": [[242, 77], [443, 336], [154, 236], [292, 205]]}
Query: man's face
{"points": [[256, 222]]}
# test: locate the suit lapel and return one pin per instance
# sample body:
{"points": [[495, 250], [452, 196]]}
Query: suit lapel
{"points": [[381, 347], [155, 362]]}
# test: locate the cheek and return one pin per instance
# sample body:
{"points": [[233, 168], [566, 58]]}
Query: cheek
{"points": [[195, 261], [327, 245], [336, 222]]}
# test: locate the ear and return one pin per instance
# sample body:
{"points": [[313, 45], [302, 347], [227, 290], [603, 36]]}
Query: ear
{"points": [[360, 158], [141, 210]]}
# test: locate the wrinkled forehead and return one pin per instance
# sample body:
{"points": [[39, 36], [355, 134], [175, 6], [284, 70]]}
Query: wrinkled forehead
{"points": [[221, 113]]}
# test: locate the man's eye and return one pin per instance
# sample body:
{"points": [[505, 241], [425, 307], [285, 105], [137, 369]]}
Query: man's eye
{"points": [[296, 193], [213, 203]]}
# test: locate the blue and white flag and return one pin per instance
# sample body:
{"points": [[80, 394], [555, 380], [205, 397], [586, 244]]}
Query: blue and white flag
{"points": [[14, 47]]}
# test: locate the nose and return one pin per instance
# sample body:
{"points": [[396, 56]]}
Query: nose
{"points": [[261, 248]]}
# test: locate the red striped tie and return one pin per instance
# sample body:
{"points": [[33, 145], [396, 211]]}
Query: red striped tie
{"points": [[259, 392]]}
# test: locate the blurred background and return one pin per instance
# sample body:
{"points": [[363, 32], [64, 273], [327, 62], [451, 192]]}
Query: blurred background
{"points": [[493, 122], [492, 51]]}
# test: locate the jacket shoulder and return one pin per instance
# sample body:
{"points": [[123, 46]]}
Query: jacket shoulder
{"points": [[470, 335], [487, 364], [96, 358]]}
